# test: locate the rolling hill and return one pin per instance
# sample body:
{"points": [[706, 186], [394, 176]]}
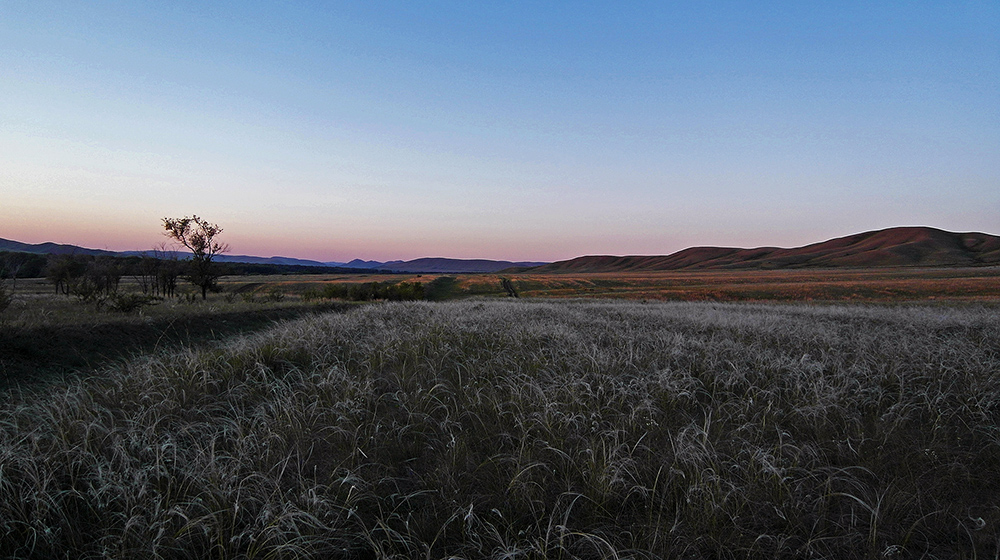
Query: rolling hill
{"points": [[423, 265], [50, 248], [899, 246], [64, 249]]}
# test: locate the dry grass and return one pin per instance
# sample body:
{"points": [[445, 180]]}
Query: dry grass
{"points": [[829, 285], [512, 429], [45, 336], [833, 285], [296, 284]]}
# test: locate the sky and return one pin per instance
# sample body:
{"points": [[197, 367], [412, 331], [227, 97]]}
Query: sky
{"points": [[518, 131]]}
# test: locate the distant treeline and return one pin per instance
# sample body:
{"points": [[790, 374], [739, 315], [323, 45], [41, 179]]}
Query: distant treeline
{"points": [[22, 265], [96, 278], [92, 277], [244, 269], [15, 264]]}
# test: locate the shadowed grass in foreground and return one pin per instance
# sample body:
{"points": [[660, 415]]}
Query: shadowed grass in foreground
{"points": [[48, 350], [512, 429]]}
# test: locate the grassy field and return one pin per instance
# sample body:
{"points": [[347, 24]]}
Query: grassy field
{"points": [[844, 285], [837, 285], [45, 336], [526, 429]]}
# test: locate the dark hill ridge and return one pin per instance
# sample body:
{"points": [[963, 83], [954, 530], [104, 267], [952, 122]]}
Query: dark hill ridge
{"points": [[445, 265], [424, 265], [900, 246], [50, 248]]}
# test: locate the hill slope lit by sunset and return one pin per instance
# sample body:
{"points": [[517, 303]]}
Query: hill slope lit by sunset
{"points": [[900, 246]]}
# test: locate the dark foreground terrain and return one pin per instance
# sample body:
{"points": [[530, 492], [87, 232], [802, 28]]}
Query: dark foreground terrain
{"points": [[44, 350], [506, 429]]}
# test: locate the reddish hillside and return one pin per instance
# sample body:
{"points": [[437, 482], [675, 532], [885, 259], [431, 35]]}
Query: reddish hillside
{"points": [[902, 246]]}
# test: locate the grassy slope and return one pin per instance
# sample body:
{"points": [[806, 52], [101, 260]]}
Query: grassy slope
{"points": [[511, 429], [899, 246]]}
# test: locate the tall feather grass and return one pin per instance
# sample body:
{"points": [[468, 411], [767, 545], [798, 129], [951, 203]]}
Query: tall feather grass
{"points": [[522, 429]]}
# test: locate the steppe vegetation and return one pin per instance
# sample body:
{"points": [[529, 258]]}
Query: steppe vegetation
{"points": [[368, 291], [45, 335], [526, 429], [793, 285]]}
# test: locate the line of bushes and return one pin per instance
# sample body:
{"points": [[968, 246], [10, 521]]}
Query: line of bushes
{"points": [[369, 291]]}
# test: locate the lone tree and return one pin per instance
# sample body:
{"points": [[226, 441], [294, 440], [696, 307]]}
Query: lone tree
{"points": [[198, 236]]}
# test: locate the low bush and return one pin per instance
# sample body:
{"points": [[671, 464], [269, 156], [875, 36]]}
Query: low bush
{"points": [[131, 302], [6, 297], [370, 291], [311, 294], [273, 295]]}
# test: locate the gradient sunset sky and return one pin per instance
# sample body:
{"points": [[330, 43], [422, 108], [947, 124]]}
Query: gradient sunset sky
{"points": [[506, 130]]}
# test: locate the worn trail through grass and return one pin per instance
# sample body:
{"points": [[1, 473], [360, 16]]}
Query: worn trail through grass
{"points": [[47, 351]]}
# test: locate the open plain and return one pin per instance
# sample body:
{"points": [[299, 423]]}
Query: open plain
{"points": [[499, 280], [861, 425], [880, 285]]}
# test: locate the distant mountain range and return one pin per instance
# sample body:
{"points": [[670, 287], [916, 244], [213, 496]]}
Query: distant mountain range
{"points": [[898, 246], [50, 248], [428, 265]]}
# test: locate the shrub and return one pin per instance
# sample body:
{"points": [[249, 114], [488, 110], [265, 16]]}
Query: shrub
{"points": [[274, 295], [6, 298], [370, 291], [128, 303], [311, 294]]}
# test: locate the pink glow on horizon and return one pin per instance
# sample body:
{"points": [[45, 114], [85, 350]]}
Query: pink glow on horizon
{"points": [[386, 244], [91, 236], [332, 133]]}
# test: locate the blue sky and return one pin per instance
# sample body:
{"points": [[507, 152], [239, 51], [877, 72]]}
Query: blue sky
{"points": [[521, 131]]}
